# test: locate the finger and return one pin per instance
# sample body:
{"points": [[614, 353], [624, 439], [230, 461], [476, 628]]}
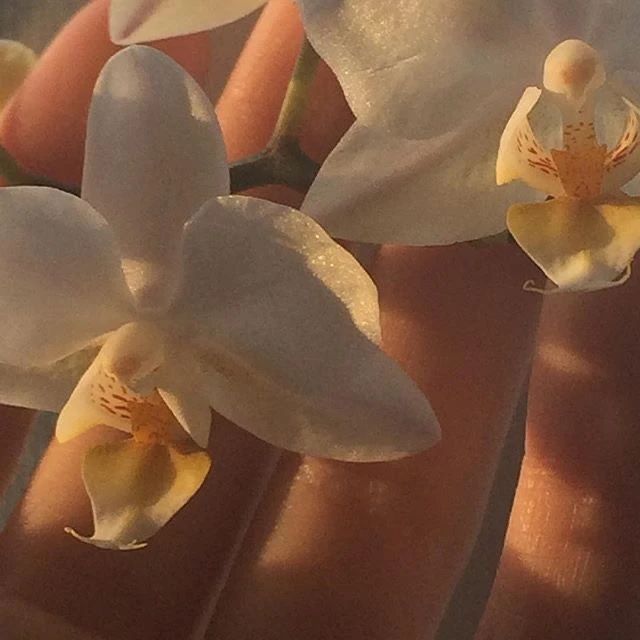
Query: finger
{"points": [[14, 428], [395, 537], [374, 551], [571, 561], [469, 600], [44, 126], [158, 592]]}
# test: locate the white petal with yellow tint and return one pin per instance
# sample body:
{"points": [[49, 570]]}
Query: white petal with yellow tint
{"points": [[133, 21], [622, 163], [98, 398], [135, 489], [287, 324], [16, 61], [44, 388], [578, 245], [61, 283], [154, 155], [420, 68], [134, 354], [380, 189], [521, 156], [183, 389]]}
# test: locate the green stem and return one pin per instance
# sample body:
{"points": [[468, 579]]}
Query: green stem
{"points": [[289, 166], [297, 97], [283, 161]]}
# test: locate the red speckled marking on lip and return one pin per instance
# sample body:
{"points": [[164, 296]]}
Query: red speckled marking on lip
{"points": [[627, 144], [149, 418], [533, 152], [581, 171], [103, 394]]}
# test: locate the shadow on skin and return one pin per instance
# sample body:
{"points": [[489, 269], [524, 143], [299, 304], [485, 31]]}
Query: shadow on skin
{"points": [[535, 608]]}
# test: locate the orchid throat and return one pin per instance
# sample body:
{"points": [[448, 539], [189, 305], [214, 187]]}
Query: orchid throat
{"points": [[583, 168]]}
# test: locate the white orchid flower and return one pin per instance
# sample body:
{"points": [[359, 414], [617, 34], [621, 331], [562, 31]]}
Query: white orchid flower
{"points": [[157, 296], [432, 85], [16, 61], [133, 21]]}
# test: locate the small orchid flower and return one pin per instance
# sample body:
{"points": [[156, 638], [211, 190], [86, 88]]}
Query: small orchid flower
{"points": [[432, 85], [16, 61], [585, 236], [157, 296], [133, 21]]}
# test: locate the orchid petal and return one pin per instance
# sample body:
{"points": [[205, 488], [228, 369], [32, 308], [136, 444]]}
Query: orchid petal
{"points": [[579, 245], [133, 21], [16, 61], [154, 155], [191, 410], [135, 489], [184, 391], [420, 68], [61, 283], [622, 162], [380, 189], [98, 398], [128, 371], [43, 388], [521, 156], [286, 322]]}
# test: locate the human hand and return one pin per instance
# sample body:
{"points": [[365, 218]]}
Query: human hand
{"points": [[334, 549]]}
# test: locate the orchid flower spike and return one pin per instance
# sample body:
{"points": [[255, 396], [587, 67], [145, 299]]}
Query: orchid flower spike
{"points": [[432, 85], [158, 295], [16, 61], [132, 21]]}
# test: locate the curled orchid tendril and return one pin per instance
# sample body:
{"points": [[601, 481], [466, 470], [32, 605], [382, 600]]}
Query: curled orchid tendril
{"points": [[530, 285], [132, 546]]}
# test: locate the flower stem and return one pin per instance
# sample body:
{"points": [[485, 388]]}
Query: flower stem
{"points": [[283, 161], [295, 100]]}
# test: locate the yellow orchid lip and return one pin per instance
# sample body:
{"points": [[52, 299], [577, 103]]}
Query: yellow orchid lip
{"points": [[135, 488], [579, 244]]}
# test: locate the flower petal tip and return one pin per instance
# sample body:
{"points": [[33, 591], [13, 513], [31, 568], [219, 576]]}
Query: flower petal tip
{"points": [[105, 544]]}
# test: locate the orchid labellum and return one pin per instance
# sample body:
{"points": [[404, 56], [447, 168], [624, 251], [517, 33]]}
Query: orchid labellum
{"points": [[158, 296]]}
